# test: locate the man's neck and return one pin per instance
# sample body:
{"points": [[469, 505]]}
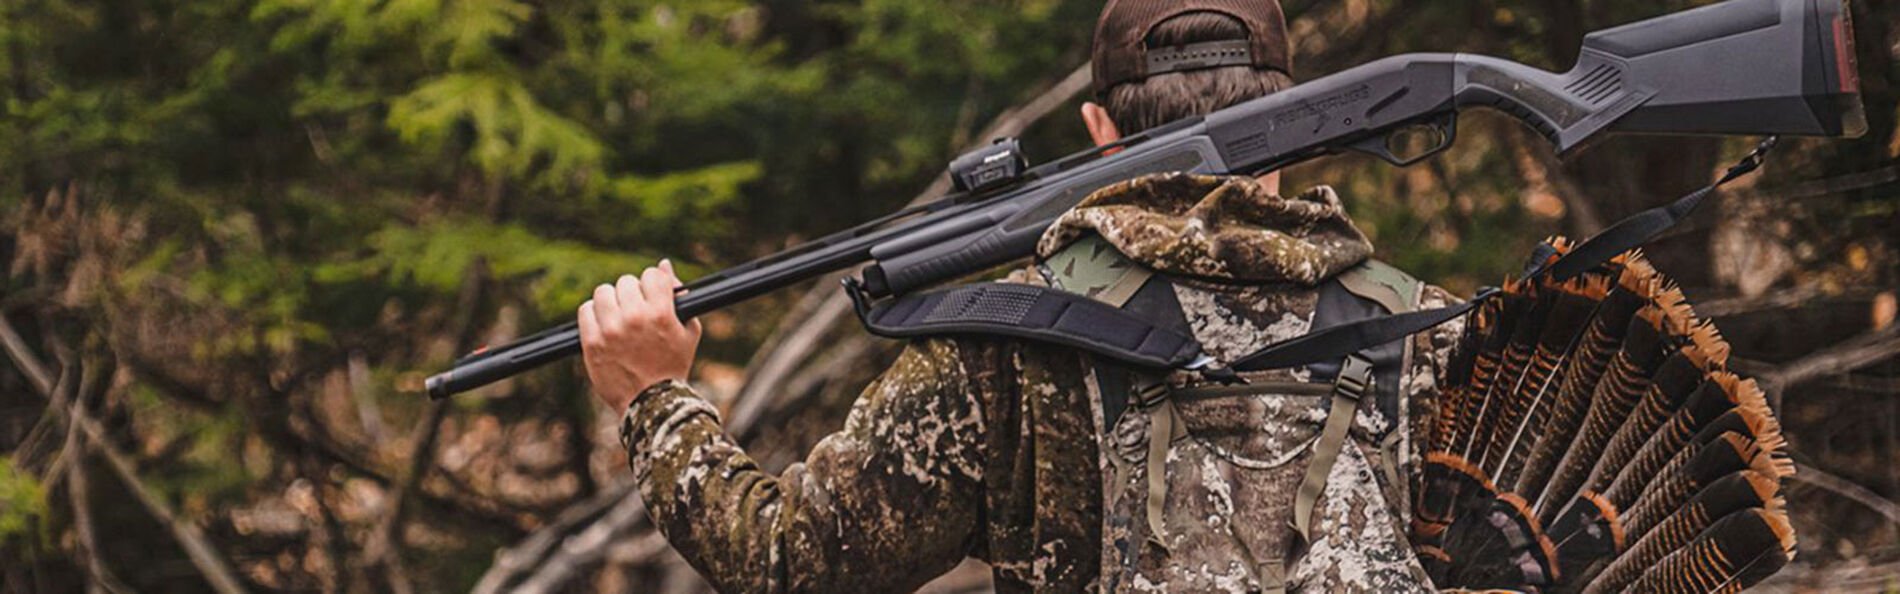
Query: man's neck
{"points": [[1271, 180]]}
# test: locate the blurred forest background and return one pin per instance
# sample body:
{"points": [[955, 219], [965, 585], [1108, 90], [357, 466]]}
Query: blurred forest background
{"points": [[238, 234]]}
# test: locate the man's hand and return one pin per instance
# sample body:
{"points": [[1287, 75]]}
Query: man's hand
{"points": [[632, 339]]}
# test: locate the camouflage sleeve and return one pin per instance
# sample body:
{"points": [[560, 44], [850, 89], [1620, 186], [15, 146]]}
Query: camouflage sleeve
{"points": [[885, 504]]}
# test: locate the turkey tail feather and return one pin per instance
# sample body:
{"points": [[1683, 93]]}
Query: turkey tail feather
{"points": [[1739, 550], [1734, 493], [1625, 382], [1494, 405], [1575, 302], [1472, 367], [1587, 364], [1590, 438]]}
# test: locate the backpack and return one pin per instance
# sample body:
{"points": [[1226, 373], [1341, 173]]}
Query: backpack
{"points": [[1128, 319]]}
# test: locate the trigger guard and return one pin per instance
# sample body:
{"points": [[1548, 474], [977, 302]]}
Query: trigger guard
{"points": [[1377, 145]]}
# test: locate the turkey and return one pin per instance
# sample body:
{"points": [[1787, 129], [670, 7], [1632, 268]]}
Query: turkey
{"points": [[1590, 438]]}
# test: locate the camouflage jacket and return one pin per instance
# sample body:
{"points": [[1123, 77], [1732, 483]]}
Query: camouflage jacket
{"points": [[994, 448]]}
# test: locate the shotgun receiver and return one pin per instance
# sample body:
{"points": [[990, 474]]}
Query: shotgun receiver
{"points": [[1741, 67]]}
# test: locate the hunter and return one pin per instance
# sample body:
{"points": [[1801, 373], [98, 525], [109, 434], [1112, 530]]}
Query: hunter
{"points": [[1062, 471]]}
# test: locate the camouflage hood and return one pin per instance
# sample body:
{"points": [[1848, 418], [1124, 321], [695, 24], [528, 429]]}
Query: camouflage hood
{"points": [[1220, 228]]}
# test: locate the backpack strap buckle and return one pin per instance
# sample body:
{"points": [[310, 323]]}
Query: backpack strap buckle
{"points": [[1151, 395], [1355, 378], [1354, 382], [1164, 428]]}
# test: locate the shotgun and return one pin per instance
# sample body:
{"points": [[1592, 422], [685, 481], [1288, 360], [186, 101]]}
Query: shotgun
{"points": [[1741, 67]]}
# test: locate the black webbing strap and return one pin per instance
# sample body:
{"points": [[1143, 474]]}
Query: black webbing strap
{"points": [[1332, 343], [1336, 342], [1030, 312], [1638, 229]]}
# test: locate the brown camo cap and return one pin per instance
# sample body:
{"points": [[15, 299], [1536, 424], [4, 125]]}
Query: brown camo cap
{"points": [[1120, 53]]}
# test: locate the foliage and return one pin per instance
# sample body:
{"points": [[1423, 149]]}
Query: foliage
{"points": [[270, 218], [22, 505], [236, 198]]}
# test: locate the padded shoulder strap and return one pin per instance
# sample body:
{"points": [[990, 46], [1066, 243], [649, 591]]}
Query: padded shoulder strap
{"points": [[1093, 268], [1381, 283], [1369, 291], [1030, 312]]}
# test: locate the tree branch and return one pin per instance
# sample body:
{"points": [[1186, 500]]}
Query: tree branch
{"points": [[1855, 353], [1850, 577], [362, 393], [1828, 186], [585, 548], [1809, 190], [23, 358], [385, 544], [65, 393], [533, 552], [329, 529], [157, 378], [358, 458], [1851, 490], [785, 356], [328, 534], [1882, 385], [1791, 298], [383, 549], [79, 493], [217, 572], [804, 386], [1549, 172], [26, 296], [474, 506], [778, 360]]}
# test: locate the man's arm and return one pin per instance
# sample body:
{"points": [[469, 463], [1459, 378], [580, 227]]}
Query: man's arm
{"points": [[885, 504]]}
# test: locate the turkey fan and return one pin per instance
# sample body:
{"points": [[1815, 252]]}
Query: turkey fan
{"points": [[1590, 438]]}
